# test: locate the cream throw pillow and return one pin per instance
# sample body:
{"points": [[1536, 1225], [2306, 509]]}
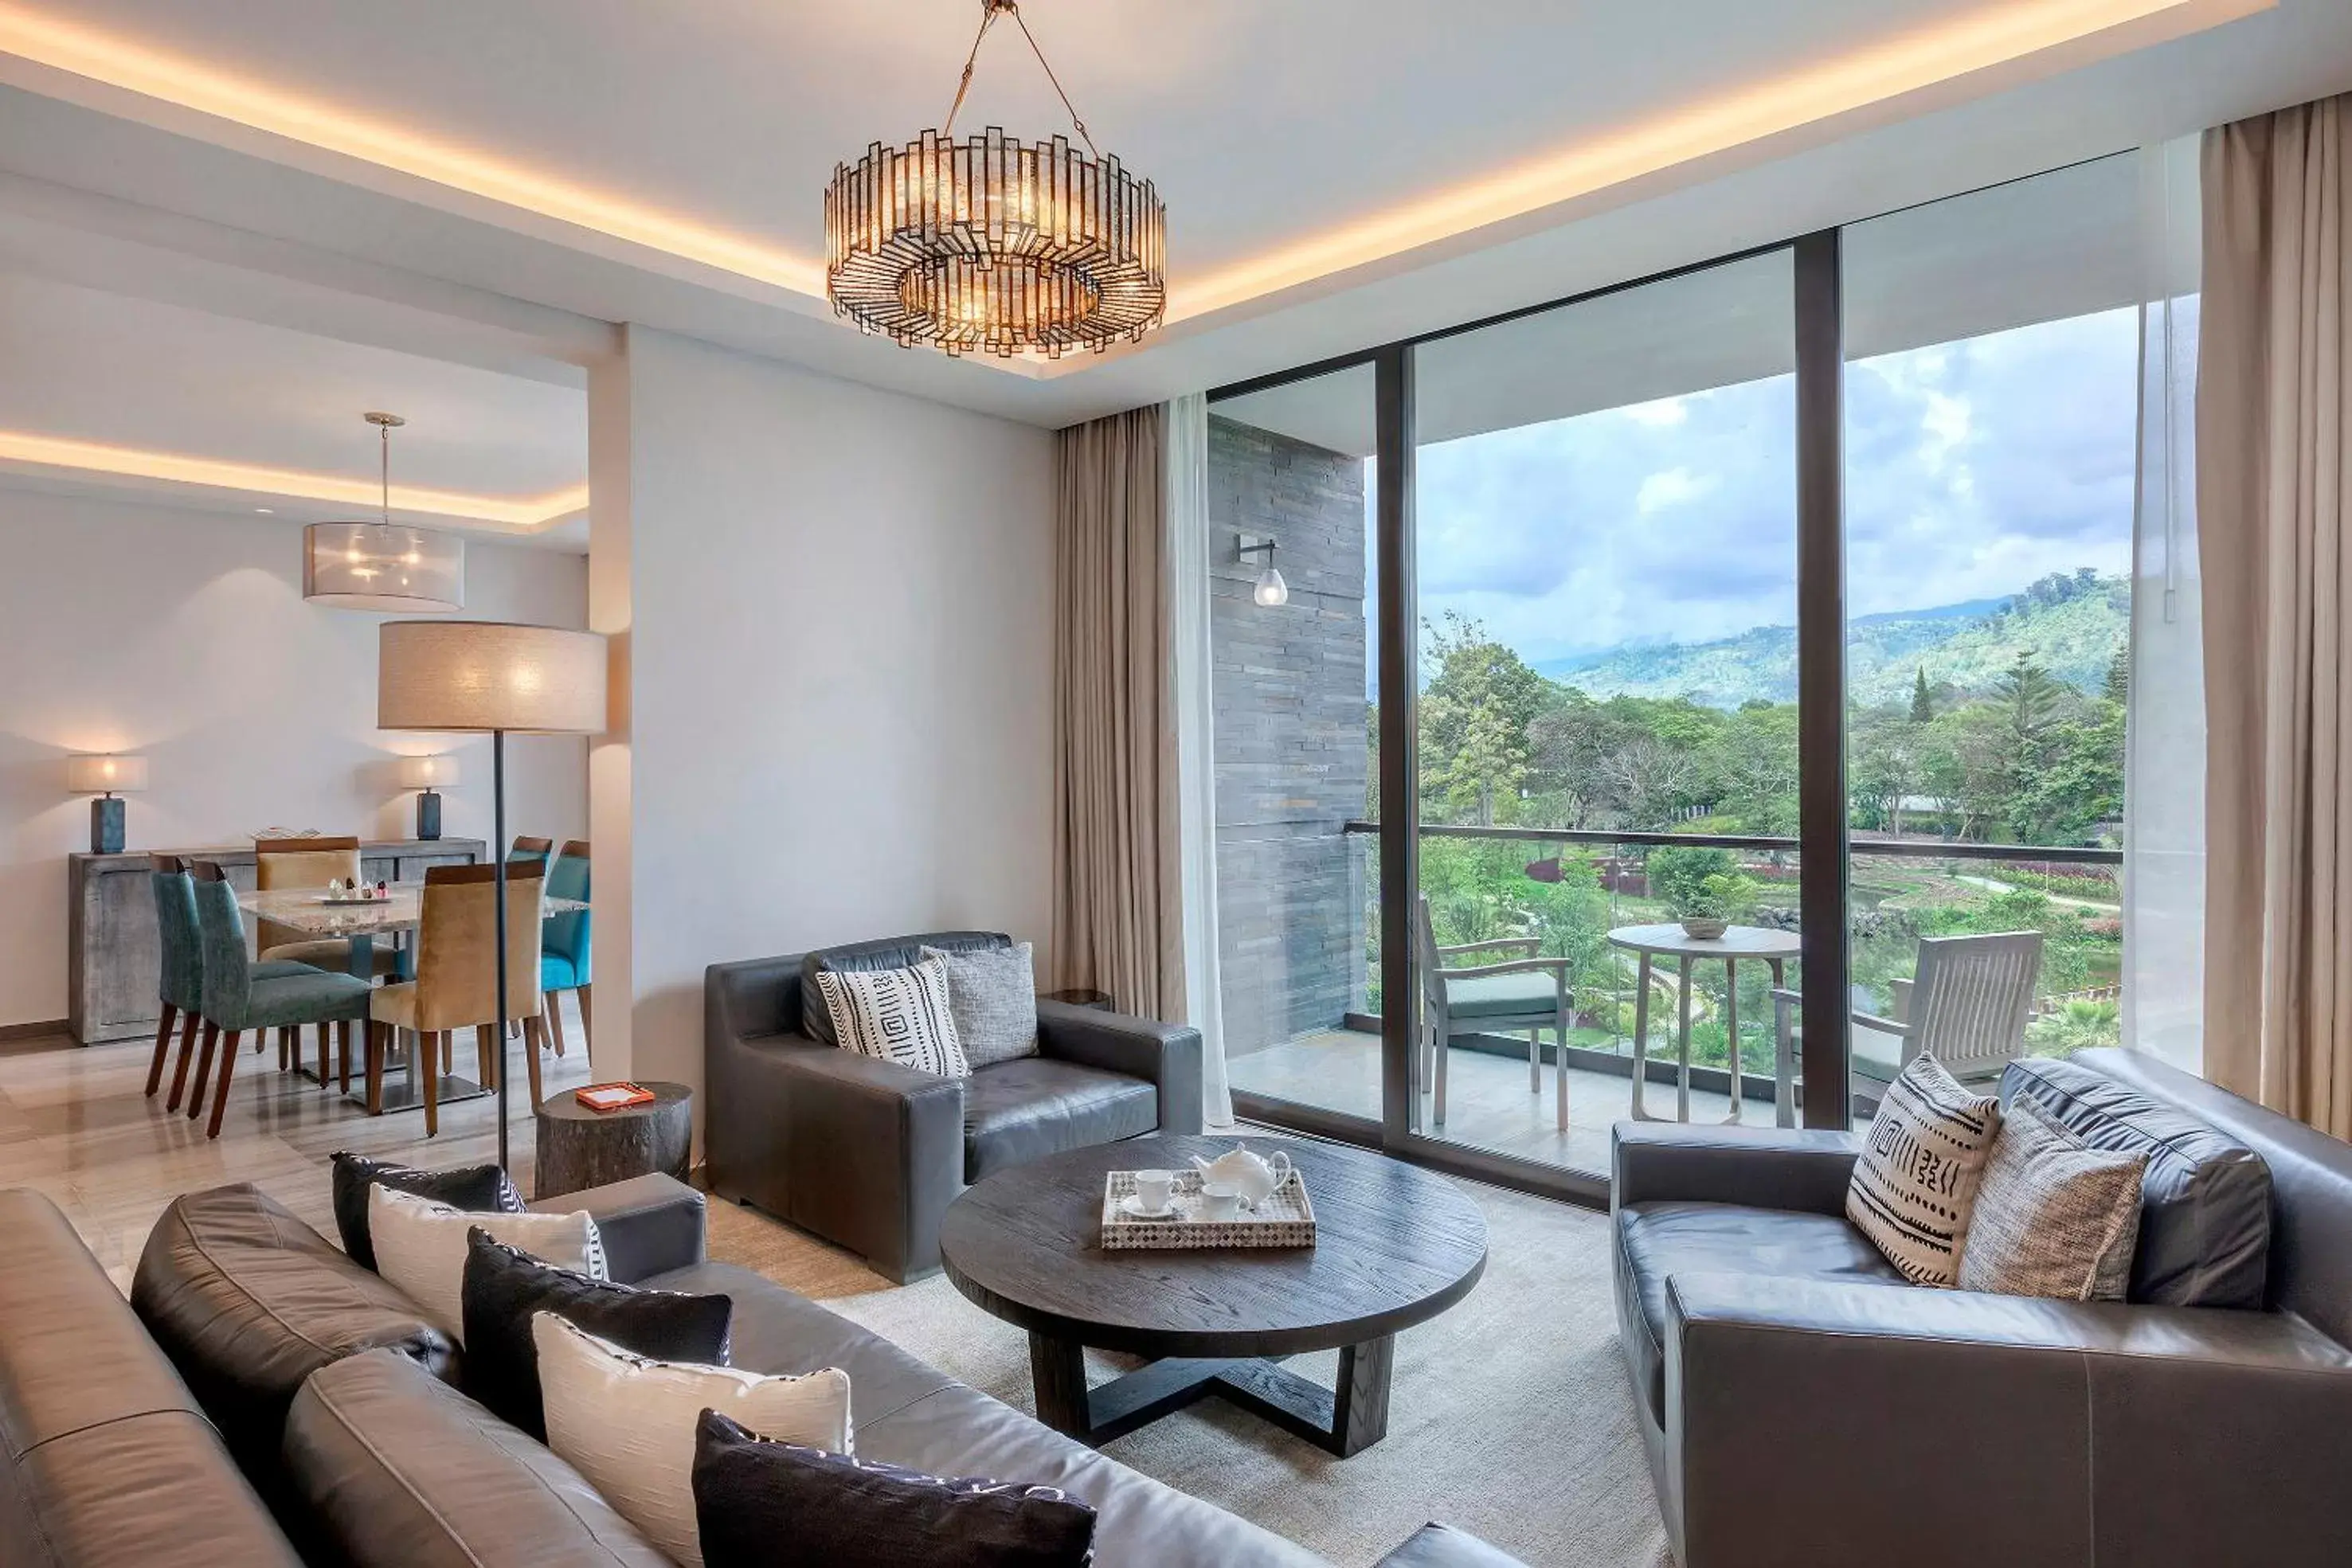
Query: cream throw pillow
{"points": [[2053, 1219], [1916, 1179], [896, 1015], [420, 1247], [626, 1422]]}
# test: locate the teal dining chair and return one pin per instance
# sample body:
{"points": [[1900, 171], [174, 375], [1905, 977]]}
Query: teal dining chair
{"points": [[180, 987], [238, 997], [565, 941]]}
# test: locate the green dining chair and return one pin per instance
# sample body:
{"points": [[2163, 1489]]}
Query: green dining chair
{"points": [[237, 997], [180, 988], [567, 942]]}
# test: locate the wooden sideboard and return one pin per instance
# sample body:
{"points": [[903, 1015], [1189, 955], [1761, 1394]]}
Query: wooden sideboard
{"points": [[113, 954]]}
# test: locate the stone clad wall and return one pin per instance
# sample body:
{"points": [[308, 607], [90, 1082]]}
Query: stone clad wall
{"points": [[1289, 687]]}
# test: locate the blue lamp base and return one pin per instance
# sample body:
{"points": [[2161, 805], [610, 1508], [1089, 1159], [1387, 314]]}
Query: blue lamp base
{"points": [[105, 825], [428, 815]]}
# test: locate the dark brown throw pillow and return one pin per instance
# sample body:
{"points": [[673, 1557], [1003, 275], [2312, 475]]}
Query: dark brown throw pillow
{"points": [[476, 1189], [505, 1286], [763, 1504]]}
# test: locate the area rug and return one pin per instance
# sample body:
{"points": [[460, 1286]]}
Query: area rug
{"points": [[1510, 1417]]}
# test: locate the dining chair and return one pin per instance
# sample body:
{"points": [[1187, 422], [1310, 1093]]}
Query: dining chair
{"points": [[1965, 1005], [180, 985], [1528, 993], [312, 861], [565, 943], [528, 849], [238, 997], [457, 978]]}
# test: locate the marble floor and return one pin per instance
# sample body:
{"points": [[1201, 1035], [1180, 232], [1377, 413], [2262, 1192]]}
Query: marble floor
{"points": [[75, 1123], [1487, 1103]]}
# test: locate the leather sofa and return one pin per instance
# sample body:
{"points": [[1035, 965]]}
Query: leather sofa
{"points": [[1804, 1405], [869, 1153], [346, 1410]]}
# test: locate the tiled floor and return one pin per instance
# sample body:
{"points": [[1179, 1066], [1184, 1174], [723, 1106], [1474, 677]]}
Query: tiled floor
{"points": [[76, 1124], [1487, 1103]]}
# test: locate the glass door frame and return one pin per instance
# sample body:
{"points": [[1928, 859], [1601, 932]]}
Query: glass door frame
{"points": [[1824, 963]]}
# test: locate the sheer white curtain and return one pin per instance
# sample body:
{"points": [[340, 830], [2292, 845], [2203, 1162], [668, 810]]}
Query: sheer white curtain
{"points": [[1186, 425], [2164, 786]]}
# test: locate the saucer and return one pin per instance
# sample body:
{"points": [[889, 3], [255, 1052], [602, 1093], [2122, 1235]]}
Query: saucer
{"points": [[1132, 1207]]}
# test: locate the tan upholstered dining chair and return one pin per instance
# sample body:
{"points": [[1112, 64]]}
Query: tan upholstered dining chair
{"points": [[309, 861], [457, 978]]}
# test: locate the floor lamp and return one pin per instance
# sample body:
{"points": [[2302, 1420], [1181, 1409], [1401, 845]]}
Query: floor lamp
{"points": [[470, 676]]}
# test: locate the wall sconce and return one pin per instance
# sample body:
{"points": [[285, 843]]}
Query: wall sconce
{"points": [[1271, 590], [428, 774], [104, 776]]}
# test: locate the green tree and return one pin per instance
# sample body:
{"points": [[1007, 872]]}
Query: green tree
{"points": [[1475, 715], [1923, 706], [1887, 766], [2030, 698], [2118, 683]]}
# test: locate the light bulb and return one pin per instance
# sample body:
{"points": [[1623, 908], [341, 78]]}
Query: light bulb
{"points": [[1271, 590]]}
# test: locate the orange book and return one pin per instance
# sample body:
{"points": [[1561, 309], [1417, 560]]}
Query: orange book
{"points": [[612, 1097]]}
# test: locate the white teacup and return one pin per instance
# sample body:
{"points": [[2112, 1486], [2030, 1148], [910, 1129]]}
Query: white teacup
{"points": [[1220, 1200], [1154, 1189]]}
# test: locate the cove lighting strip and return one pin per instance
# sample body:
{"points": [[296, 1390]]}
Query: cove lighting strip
{"points": [[528, 515]]}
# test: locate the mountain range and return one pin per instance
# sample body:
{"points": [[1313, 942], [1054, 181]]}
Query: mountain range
{"points": [[2071, 625]]}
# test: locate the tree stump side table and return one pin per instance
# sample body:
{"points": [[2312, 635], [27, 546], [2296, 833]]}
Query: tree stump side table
{"points": [[579, 1148]]}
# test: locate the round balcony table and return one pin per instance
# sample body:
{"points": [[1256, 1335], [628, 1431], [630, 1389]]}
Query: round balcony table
{"points": [[1671, 941]]}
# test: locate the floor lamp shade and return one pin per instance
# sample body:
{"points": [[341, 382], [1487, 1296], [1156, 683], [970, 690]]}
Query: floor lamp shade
{"points": [[456, 676]]}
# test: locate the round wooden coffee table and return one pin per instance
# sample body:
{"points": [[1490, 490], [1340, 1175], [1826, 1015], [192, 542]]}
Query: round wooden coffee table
{"points": [[1396, 1245]]}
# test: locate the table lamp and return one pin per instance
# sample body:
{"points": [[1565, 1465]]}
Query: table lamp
{"points": [[106, 777], [469, 676], [428, 774]]}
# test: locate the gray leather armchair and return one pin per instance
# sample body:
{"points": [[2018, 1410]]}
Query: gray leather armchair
{"points": [[868, 1154], [1802, 1404]]}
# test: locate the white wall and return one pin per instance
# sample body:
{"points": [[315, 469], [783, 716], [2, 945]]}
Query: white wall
{"points": [[182, 635], [838, 617]]}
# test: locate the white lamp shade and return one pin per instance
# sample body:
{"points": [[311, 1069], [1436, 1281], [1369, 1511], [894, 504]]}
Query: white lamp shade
{"points": [[460, 675], [427, 772], [382, 566], [106, 775]]}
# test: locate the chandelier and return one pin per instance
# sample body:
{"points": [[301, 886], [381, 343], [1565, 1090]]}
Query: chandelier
{"points": [[383, 565], [992, 244]]}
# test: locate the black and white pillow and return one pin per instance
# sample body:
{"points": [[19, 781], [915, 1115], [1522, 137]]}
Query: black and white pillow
{"points": [[1917, 1180], [761, 1503], [896, 1015], [480, 1189], [992, 994], [420, 1247]]}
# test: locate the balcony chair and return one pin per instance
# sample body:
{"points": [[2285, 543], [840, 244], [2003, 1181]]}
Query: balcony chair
{"points": [[240, 997], [1966, 1006], [180, 987], [456, 983], [1527, 993]]}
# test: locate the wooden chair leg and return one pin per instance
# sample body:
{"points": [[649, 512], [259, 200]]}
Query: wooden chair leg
{"points": [[551, 1008], [489, 1044], [587, 1032], [204, 1067], [427, 1058], [531, 1031], [220, 1092], [187, 1054], [343, 1055], [163, 1047]]}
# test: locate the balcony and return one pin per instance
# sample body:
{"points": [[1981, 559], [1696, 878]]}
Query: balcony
{"points": [[1302, 1016]]}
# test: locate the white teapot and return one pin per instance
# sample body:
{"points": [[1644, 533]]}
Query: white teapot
{"points": [[1258, 1179]]}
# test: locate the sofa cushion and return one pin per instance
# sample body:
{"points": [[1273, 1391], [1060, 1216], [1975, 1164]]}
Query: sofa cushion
{"points": [[1501, 996], [248, 1301], [2053, 1218], [92, 1417], [891, 953], [1916, 1183], [896, 1015], [421, 1246], [392, 1468], [1658, 1240], [475, 1187], [2205, 1198], [994, 995], [1021, 1111]]}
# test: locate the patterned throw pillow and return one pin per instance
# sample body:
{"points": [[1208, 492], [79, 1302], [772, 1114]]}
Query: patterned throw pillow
{"points": [[1917, 1176], [2053, 1219], [896, 1015], [994, 996]]}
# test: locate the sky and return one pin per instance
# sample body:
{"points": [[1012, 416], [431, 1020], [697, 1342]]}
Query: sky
{"points": [[1972, 468]]}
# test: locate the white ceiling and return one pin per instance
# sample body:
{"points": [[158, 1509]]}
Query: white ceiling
{"points": [[242, 178]]}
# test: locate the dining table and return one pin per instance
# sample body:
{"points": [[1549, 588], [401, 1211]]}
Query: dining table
{"points": [[1650, 943], [316, 914]]}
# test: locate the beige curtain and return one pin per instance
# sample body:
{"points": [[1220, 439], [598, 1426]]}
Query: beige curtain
{"points": [[1119, 922], [2274, 372]]}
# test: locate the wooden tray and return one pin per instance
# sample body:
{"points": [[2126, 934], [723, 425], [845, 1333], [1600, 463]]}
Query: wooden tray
{"points": [[1286, 1218]]}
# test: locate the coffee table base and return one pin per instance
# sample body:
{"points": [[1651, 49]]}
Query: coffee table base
{"points": [[1342, 1421]]}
